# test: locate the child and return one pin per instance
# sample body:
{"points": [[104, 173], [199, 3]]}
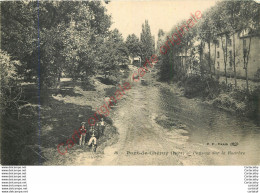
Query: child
{"points": [[93, 135], [83, 132]]}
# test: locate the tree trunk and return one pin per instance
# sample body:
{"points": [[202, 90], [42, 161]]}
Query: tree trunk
{"points": [[226, 60], [215, 59], [234, 53], [59, 77], [185, 61], [209, 59], [224, 56], [201, 52], [247, 58], [246, 80]]}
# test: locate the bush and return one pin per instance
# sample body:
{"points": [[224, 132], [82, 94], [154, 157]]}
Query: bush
{"points": [[227, 102], [242, 102], [197, 86], [240, 95]]}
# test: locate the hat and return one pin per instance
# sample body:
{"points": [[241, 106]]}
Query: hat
{"points": [[83, 123]]}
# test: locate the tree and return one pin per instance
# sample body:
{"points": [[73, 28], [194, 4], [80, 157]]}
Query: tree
{"points": [[219, 22], [19, 34], [114, 52], [133, 45], [82, 33], [70, 33], [147, 41], [208, 36], [160, 41], [232, 12], [10, 91], [249, 14]]}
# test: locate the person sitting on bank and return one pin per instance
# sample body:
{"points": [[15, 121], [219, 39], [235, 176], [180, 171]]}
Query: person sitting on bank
{"points": [[93, 136], [83, 132]]}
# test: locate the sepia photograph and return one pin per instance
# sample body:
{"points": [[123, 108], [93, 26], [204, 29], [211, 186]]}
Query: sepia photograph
{"points": [[132, 83]]}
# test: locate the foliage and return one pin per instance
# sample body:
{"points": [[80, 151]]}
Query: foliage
{"points": [[133, 45], [198, 86], [10, 91], [224, 18], [13, 135], [73, 37], [160, 40], [114, 53], [147, 41]]}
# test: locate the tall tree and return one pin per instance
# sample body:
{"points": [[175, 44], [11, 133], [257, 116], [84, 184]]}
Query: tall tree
{"points": [[160, 41], [250, 15], [219, 22], [232, 12], [147, 41]]}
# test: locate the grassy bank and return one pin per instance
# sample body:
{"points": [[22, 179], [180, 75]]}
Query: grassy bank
{"points": [[223, 96], [71, 105], [30, 134], [63, 116]]}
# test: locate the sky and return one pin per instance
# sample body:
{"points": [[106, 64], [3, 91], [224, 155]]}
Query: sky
{"points": [[128, 16]]}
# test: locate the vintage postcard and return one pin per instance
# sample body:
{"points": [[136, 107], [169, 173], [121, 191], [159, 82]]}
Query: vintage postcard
{"points": [[162, 82]]}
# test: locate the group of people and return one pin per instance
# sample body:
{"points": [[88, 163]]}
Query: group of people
{"points": [[92, 134]]}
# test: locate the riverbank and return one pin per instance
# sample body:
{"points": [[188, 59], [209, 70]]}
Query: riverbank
{"points": [[80, 104], [40, 125], [222, 96]]}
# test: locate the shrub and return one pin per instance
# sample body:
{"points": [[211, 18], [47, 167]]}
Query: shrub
{"points": [[197, 86], [227, 102]]}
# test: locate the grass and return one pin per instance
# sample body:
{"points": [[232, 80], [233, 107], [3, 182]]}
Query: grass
{"points": [[61, 118], [58, 120]]}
